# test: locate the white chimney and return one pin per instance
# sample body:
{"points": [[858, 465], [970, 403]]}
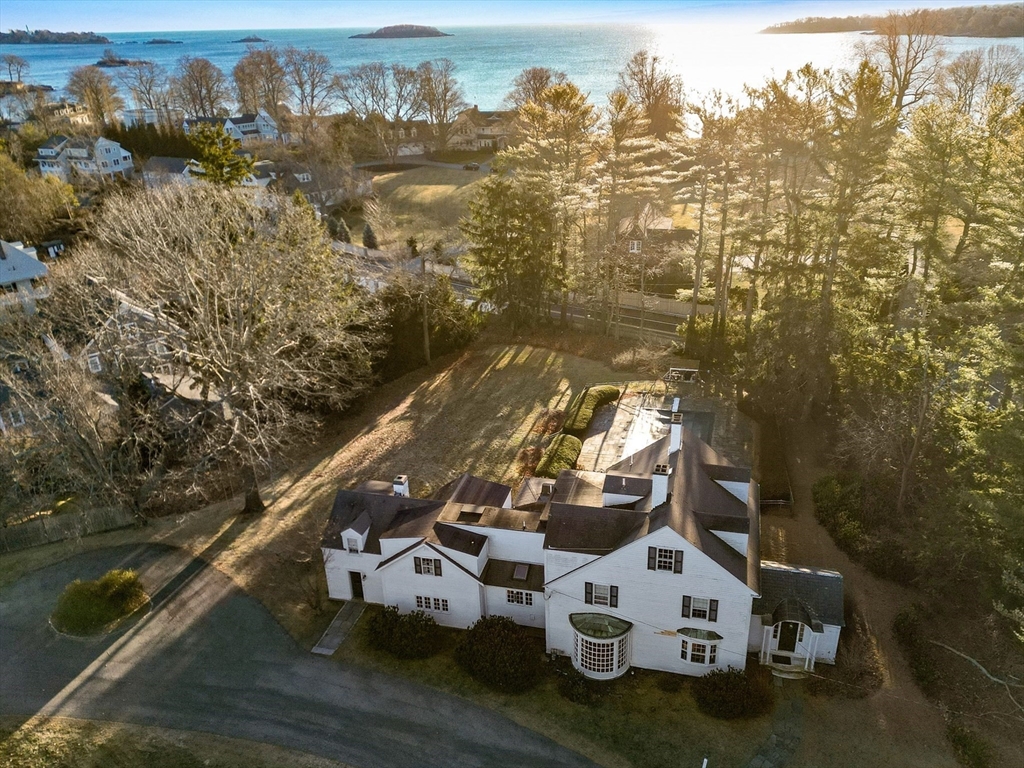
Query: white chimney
{"points": [[401, 485], [659, 485], [675, 433], [675, 404]]}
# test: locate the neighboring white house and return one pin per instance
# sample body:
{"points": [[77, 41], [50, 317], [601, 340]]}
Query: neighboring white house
{"points": [[82, 156], [163, 116], [245, 128], [22, 277], [654, 563]]}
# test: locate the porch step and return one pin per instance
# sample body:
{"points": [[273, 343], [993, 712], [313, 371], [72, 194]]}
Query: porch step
{"points": [[339, 628]]}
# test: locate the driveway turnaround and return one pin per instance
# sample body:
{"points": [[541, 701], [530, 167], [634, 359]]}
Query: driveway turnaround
{"points": [[210, 658]]}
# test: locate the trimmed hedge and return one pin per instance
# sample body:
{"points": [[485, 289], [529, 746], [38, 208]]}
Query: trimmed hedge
{"points": [[732, 693], [499, 653], [581, 409], [89, 607], [561, 454], [408, 636]]}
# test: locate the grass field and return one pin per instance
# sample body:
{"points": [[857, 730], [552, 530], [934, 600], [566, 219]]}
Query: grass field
{"points": [[427, 202], [61, 742]]}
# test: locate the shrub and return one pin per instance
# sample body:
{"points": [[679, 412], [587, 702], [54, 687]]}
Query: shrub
{"points": [[858, 670], [838, 501], [888, 559], [577, 688], [89, 607], [732, 693], [970, 749], [581, 409], [561, 454], [408, 636], [527, 460], [369, 237], [499, 653], [906, 627], [338, 228]]}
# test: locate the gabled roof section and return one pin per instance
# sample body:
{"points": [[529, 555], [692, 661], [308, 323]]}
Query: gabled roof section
{"points": [[579, 488], [386, 513], [787, 589], [459, 539], [174, 166], [627, 485], [645, 460], [468, 489]]}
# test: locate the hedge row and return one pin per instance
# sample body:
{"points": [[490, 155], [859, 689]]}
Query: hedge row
{"points": [[581, 409], [499, 653], [408, 636], [561, 454]]}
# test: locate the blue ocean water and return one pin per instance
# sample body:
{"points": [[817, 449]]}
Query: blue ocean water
{"points": [[707, 57]]}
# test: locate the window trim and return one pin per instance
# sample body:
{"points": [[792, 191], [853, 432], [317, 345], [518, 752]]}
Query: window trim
{"points": [[712, 610], [708, 652], [427, 566], [519, 597], [659, 559], [432, 604], [94, 363], [590, 596]]}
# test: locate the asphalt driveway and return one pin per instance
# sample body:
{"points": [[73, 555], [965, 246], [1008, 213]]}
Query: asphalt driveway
{"points": [[210, 658]]}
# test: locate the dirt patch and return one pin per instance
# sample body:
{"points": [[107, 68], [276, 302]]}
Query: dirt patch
{"points": [[549, 422], [527, 460]]}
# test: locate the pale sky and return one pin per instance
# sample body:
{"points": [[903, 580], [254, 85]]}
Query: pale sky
{"points": [[179, 15]]}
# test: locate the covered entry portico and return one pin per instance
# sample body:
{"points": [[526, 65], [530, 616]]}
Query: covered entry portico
{"points": [[790, 637]]}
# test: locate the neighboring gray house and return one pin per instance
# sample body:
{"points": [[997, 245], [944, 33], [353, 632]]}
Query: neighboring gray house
{"points": [[22, 277], [245, 128]]}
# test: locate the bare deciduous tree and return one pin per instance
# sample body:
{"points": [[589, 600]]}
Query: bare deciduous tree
{"points": [[657, 92], [95, 89], [441, 96], [309, 73], [383, 95], [260, 81], [147, 82], [200, 88], [530, 84], [16, 66], [909, 54]]}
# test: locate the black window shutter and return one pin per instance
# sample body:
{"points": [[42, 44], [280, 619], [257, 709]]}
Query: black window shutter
{"points": [[418, 564], [652, 558], [613, 597], [677, 566], [713, 610], [588, 593], [686, 606], [437, 567]]}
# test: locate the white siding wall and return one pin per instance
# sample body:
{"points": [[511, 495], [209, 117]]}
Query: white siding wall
{"points": [[391, 547], [338, 563], [402, 584], [828, 644], [558, 564], [505, 544], [611, 499], [527, 615], [652, 600]]}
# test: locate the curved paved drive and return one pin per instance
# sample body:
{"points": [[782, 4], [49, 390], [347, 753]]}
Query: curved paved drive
{"points": [[211, 658]]}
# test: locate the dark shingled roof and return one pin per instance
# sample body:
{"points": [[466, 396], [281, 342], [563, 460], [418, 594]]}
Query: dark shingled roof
{"points": [[382, 487], [627, 485], [383, 511], [643, 461], [171, 165], [499, 573], [579, 488], [467, 489], [459, 539], [817, 591], [594, 530]]}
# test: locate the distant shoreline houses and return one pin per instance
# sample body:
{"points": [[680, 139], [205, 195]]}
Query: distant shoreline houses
{"points": [[68, 157]]}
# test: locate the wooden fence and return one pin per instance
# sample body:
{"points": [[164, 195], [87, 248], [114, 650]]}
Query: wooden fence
{"points": [[67, 525]]}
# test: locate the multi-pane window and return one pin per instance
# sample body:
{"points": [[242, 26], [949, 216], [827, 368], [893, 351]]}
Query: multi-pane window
{"points": [[596, 656], [353, 546], [663, 559], [95, 366], [800, 634], [699, 653], [700, 608], [438, 604], [518, 597], [601, 594], [15, 417], [427, 566]]}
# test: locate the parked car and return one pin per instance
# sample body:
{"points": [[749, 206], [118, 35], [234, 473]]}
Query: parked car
{"points": [[471, 167]]}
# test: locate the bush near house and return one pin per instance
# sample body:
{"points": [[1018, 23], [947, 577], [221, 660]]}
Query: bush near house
{"points": [[499, 653], [561, 454], [408, 636], [574, 686], [970, 749], [734, 693], [89, 607], [581, 409]]}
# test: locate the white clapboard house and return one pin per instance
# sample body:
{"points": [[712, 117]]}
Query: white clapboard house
{"points": [[654, 563]]}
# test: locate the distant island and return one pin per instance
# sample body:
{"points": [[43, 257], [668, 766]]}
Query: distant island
{"points": [[968, 21], [163, 41], [401, 30], [20, 36], [111, 59], [251, 39]]}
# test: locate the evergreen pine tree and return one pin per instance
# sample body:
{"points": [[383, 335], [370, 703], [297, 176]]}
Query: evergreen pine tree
{"points": [[369, 238]]}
